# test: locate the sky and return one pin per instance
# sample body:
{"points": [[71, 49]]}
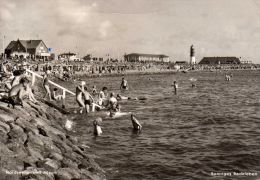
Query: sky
{"points": [[116, 27]]}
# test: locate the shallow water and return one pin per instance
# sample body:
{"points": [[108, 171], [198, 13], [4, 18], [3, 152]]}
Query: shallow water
{"points": [[214, 127]]}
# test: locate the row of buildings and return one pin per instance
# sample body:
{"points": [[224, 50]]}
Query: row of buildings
{"points": [[37, 49]]}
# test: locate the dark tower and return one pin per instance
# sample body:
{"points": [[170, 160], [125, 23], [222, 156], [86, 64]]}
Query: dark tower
{"points": [[192, 55]]}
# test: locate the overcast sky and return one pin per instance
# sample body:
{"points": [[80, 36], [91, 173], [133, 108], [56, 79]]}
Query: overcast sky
{"points": [[215, 27]]}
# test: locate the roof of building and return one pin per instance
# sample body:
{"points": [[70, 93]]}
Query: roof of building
{"points": [[11, 45], [28, 44], [149, 55], [67, 54], [181, 62], [221, 60]]}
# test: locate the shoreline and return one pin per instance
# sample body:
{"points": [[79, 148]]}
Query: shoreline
{"points": [[35, 144], [132, 73]]}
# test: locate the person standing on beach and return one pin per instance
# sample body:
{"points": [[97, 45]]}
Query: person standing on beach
{"points": [[175, 86], [46, 85], [79, 96], [124, 84]]}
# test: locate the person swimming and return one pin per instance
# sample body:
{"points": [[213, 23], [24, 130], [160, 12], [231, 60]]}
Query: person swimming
{"points": [[120, 97], [94, 90], [175, 86], [227, 77], [97, 127], [124, 84], [136, 124]]}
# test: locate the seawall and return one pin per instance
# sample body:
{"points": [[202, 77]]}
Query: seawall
{"points": [[35, 145]]}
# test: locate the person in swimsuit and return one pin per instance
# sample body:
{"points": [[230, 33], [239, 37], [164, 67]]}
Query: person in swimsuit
{"points": [[88, 99], [46, 85], [17, 93], [79, 96], [136, 125], [124, 84], [97, 126], [102, 97], [113, 105], [94, 90], [175, 86]]}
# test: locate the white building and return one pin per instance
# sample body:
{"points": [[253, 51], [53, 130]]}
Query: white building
{"points": [[136, 57]]}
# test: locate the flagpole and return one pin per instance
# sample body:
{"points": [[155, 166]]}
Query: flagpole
{"points": [[3, 46]]}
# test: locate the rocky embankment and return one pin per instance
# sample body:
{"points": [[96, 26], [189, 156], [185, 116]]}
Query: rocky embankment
{"points": [[35, 145]]}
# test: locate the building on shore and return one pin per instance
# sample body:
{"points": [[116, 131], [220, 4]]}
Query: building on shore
{"points": [[68, 57], [192, 55], [181, 62], [34, 49], [220, 60], [137, 57]]}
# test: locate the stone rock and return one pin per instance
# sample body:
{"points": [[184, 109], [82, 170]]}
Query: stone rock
{"points": [[51, 165], [7, 118], [5, 126], [27, 125], [35, 140], [38, 173], [17, 134], [3, 135], [30, 161], [68, 173], [39, 122], [55, 156], [4, 150], [30, 141], [89, 164], [54, 132], [34, 153], [64, 148], [68, 163]]}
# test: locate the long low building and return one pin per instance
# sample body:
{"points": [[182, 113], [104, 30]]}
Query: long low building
{"points": [[220, 60], [137, 57]]}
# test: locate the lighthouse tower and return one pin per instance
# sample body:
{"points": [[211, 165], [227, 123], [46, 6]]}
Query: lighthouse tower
{"points": [[192, 55]]}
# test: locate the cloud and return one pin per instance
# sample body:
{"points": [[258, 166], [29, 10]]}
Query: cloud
{"points": [[170, 26], [104, 28], [6, 9]]}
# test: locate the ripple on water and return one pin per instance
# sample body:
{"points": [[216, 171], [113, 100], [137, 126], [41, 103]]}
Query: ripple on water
{"points": [[211, 128]]}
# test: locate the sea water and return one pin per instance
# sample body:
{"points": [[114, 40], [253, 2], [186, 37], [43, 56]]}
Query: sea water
{"points": [[212, 128]]}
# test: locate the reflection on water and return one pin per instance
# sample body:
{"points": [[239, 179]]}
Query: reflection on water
{"points": [[211, 128]]}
